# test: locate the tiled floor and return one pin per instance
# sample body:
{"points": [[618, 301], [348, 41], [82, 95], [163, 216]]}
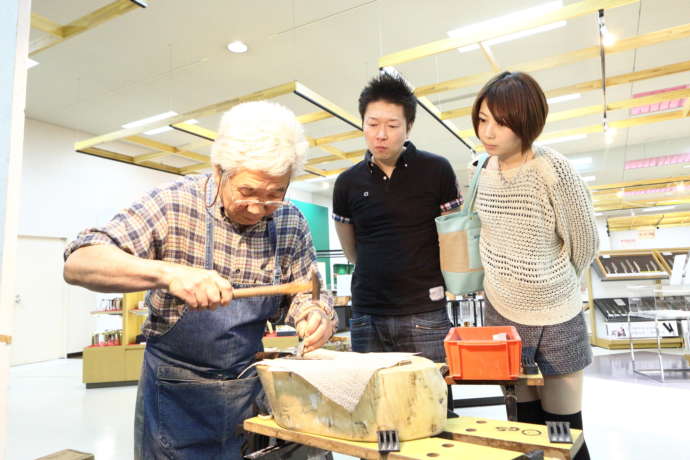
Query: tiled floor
{"points": [[627, 417]]}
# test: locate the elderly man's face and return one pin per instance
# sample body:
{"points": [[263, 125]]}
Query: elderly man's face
{"points": [[249, 195]]}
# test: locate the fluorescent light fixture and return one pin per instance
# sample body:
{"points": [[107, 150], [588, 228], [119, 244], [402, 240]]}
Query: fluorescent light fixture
{"points": [[620, 193], [509, 19], [589, 178], [238, 47], [598, 214], [558, 140], [31, 63], [163, 129], [151, 119], [566, 97], [580, 163], [658, 208]]}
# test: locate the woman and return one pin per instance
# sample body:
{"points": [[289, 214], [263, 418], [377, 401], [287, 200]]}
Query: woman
{"points": [[538, 236]]}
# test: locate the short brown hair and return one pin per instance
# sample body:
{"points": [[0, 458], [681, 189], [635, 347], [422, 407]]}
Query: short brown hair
{"points": [[517, 101]]}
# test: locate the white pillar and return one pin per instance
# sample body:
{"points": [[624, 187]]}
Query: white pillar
{"points": [[15, 19]]}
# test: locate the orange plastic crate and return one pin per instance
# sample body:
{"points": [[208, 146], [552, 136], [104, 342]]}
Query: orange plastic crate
{"points": [[473, 355]]}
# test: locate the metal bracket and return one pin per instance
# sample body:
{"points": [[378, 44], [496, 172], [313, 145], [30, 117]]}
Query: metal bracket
{"points": [[559, 432]]}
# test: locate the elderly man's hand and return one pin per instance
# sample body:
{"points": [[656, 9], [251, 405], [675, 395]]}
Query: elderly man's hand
{"points": [[315, 327], [199, 288]]}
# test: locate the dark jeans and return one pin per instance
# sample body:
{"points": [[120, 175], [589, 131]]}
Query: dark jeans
{"points": [[421, 333]]}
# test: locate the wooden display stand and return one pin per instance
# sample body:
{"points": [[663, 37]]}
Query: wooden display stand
{"points": [[631, 265], [121, 364]]}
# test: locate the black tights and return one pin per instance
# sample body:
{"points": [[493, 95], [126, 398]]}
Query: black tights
{"points": [[532, 412]]}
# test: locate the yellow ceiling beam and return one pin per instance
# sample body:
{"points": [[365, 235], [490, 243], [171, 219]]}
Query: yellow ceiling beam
{"points": [[567, 12], [332, 172], [269, 93], [652, 38], [624, 104], [594, 85], [354, 155], [327, 105], [46, 25], [194, 168], [489, 55], [313, 117], [337, 137], [162, 150], [196, 130], [620, 124], [103, 153], [637, 183], [78, 26]]}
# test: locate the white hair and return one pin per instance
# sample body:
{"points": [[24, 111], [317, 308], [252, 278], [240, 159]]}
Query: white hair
{"points": [[262, 136]]}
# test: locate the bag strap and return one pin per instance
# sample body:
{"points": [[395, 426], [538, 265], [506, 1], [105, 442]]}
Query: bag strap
{"points": [[474, 185]]}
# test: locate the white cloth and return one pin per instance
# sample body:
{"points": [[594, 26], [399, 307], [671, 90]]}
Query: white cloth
{"points": [[340, 376]]}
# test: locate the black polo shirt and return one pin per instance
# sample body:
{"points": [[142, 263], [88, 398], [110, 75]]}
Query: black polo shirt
{"points": [[397, 270]]}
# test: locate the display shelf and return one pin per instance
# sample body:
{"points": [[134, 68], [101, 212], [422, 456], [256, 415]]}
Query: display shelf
{"points": [[117, 364], [631, 265], [106, 312], [667, 256], [139, 311], [608, 311]]}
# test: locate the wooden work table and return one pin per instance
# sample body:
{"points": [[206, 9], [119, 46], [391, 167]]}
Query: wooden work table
{"points": [[509, 397], [467, 438]]}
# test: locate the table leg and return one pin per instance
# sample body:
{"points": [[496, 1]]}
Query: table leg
{"points": [[511, 402]]}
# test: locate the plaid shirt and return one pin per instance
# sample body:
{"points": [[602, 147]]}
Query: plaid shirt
{"points": [[169, 224]]}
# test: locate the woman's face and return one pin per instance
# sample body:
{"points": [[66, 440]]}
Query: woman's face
{"points": [[498, 139]]}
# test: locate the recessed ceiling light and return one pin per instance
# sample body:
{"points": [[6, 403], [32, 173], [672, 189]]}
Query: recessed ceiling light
{"points": [[237, 46], [151, 119], [509, 19]]}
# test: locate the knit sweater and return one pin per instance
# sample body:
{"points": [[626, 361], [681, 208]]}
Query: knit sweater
{"points": [[538, 236]]}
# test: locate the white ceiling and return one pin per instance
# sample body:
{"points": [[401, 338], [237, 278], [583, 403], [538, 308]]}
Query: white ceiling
{"points": [[172, 56]]}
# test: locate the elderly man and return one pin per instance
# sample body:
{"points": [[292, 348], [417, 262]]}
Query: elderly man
{"points": [[189, 244]]}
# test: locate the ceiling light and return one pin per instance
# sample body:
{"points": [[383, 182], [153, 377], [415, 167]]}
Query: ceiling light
{"points": [[589, 178], [580, 163], [237, 46], [151, 119], [658, 208], [567, 97], [558, 140], [610, 135], [607, 38], [508, 20], [620, 193], [680, 187], [598, 214], [31, 63], [163, 129]]}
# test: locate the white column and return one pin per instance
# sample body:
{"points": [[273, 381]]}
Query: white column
{"points": [[15, 19]]}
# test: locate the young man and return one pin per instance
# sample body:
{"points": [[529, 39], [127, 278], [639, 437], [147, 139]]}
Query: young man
{"points": [[190, 243], [384, 208]]}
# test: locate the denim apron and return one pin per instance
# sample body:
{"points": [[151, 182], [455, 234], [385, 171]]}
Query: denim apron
{"points": [[193, 401]]}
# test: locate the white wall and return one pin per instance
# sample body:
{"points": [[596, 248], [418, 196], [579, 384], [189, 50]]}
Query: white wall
{"points": [[64, 192], [671, 237]]}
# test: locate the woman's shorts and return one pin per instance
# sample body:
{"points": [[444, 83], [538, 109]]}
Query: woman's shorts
{"points": [[558, 349]]}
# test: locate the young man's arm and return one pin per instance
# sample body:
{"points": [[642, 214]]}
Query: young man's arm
{"points": [[346, 235]]}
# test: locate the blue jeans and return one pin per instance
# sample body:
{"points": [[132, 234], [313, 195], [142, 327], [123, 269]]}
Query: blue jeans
{"points": [[421, 333]]}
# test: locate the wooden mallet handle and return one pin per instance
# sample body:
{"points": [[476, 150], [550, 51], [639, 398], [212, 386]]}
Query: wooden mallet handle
{"points": [[295, 287]]}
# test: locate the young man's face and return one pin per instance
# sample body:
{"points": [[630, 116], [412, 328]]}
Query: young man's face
{"points": [[385, 130]]}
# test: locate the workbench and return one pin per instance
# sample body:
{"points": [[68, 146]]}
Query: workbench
{"points": [[467, 438], [509, 397]]}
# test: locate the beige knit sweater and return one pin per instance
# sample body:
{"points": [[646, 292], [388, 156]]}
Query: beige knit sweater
{"points": [[538, 235]]}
